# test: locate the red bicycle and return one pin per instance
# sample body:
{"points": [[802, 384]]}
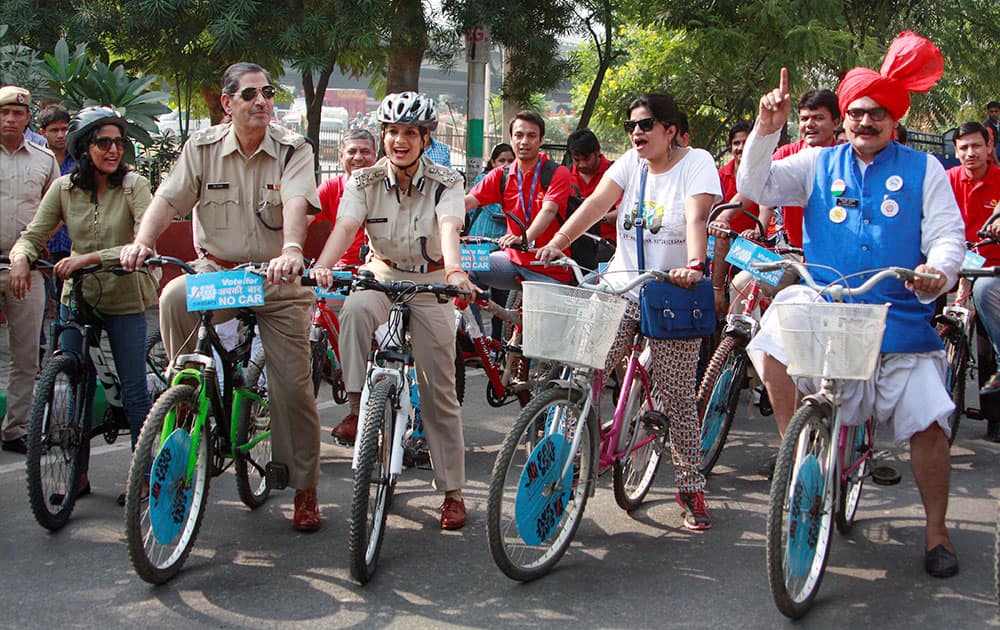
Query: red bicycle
{"points": [[324, 351]]}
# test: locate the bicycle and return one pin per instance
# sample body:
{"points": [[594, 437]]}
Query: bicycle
{"points": [[726, 373], [551, 457], [386, 414], [822, 463], [197, 429], [58, 428], [324, 351]]}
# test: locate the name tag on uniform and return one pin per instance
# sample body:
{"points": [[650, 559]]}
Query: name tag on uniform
{"points": [[743, 253], [847, 202], [476, 257], [224, 289], [272, 187], [218, 186], [379, 220]]}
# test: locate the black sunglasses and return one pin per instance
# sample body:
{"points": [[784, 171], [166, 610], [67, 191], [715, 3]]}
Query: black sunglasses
{"points": [[250, 93], [104, 143], [857, 114], [646, 124]]}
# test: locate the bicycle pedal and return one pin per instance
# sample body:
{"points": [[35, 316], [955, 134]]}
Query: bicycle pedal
{"points": [[656, 423], [886, 476], [276, 475]]}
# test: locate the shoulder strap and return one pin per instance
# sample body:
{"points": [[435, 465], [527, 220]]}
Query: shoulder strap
{"points": [[548, 170], [503, 179], [437, 193], [288, 156], [128, 187]]}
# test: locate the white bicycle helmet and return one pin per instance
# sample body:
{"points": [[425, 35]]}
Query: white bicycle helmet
{"points": [[408, 108]]}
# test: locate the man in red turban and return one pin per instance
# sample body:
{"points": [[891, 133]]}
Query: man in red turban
{"points": [[869, 204]]}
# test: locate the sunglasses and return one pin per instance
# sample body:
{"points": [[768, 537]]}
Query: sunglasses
{"points": [[857, 114], [250, 93], [104, 143], [646, 124]]}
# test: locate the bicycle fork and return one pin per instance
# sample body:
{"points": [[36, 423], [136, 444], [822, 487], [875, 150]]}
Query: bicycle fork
{"points": [[402, 408]]}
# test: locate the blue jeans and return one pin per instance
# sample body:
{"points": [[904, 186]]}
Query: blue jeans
{"points": [[127, 334], [986, 296]]}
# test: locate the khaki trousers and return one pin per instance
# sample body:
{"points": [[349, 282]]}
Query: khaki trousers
{"points": [[24, 321], [283, 321], [432, 334]]}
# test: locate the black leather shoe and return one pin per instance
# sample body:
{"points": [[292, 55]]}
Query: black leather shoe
{"points": [[991, 386], [940, 563], [17, 445]]}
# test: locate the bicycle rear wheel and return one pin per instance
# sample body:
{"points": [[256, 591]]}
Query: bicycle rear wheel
{"points": [[799, 512], [633, 474], [318, 361], [155, 560], [254, 423], [373, 484], [718, 397], [956, 348], [856, 445], [530, 529], [55, 440]]}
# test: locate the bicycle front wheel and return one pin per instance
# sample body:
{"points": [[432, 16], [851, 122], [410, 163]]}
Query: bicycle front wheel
{"points": [[956, 348], [253, 426], [532, 512], [157, 554], [373, 484], [856, 445], [633, 474], [56, 438], [317, 360], [718, 397], [799, 512]]}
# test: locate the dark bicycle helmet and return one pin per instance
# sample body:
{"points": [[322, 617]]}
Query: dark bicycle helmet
{"points": [[408, 108], [87, 119]]}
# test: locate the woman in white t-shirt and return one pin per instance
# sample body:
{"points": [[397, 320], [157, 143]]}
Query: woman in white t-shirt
{"points": [[681, 186]]}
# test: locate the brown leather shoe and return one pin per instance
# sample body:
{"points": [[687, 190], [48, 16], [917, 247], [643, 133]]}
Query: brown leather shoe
{"points": [[306, 517], [345, 432], [452, 513]]}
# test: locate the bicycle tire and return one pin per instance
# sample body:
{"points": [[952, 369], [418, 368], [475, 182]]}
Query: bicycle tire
{"points": [[850, 490], [317, 361], [251, 465], [718, 398], [807, 436], [459, 372], [337, 386], [155, 563], [55, 440], [372, 483], [157, 362], [956, 348], [512, 555], [633, 475]]}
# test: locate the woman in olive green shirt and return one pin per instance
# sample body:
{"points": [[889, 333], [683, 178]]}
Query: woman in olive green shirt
{"points": [[101, 203]]}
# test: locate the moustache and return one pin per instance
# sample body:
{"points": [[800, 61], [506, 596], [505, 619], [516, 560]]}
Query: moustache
{"points": [[868, 130]]}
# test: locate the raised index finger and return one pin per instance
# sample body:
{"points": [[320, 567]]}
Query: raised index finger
{"points": [[783, 83]]}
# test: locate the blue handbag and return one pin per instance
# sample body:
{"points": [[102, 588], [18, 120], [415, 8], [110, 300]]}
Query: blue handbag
{"points": [[667, 310]]}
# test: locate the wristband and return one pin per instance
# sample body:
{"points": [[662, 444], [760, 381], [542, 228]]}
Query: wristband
{"points": [[696, 265], [562, 234], [448, 275], [292, 245]]}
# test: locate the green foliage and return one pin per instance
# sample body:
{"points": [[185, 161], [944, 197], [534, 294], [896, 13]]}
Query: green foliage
{"points": [[19, 65], [78, 82]]}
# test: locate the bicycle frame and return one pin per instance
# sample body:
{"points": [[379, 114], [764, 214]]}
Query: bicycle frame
{"points": [[233, 395], [488, 349], [399, 364], [614, 439]]}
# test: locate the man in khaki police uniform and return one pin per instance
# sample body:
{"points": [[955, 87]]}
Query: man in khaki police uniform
{"points": [[26, 172], [254, 185], [413, 212]]}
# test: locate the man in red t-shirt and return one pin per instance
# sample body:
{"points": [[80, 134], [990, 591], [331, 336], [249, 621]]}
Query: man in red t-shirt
{"points": [[527, 200], [976, 182], [589, 166], [357, 150]]}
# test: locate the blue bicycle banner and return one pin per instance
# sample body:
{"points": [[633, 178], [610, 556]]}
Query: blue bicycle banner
{"points": [[743, 253], [476, 257], [224, 289]]}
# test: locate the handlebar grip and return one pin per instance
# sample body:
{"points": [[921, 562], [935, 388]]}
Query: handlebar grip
{"points": [[308, 282]]}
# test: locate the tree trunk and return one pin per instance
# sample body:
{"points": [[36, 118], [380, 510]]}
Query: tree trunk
{"points": [[406, 46], [210, 94], [314, 93], [604, 57]]}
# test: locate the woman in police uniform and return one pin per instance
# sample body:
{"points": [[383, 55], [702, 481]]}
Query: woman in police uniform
{"points": [[413, 211]]}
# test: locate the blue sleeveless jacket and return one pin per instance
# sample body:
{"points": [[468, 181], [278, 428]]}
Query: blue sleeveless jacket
{"points": [[856, 222]]}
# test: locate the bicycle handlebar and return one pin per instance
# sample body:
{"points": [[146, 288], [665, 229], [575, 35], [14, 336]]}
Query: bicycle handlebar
{"points": [[486, 240], [984, 272], [39, 263], [839, 291]]}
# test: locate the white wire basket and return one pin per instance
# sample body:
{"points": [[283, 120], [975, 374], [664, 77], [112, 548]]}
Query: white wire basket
{"points": [[571, 325], [832, 340]]}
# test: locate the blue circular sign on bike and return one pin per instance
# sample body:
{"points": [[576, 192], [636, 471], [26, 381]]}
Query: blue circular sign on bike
{"points": [[169, 499], [805, 516], [541, 495]]}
